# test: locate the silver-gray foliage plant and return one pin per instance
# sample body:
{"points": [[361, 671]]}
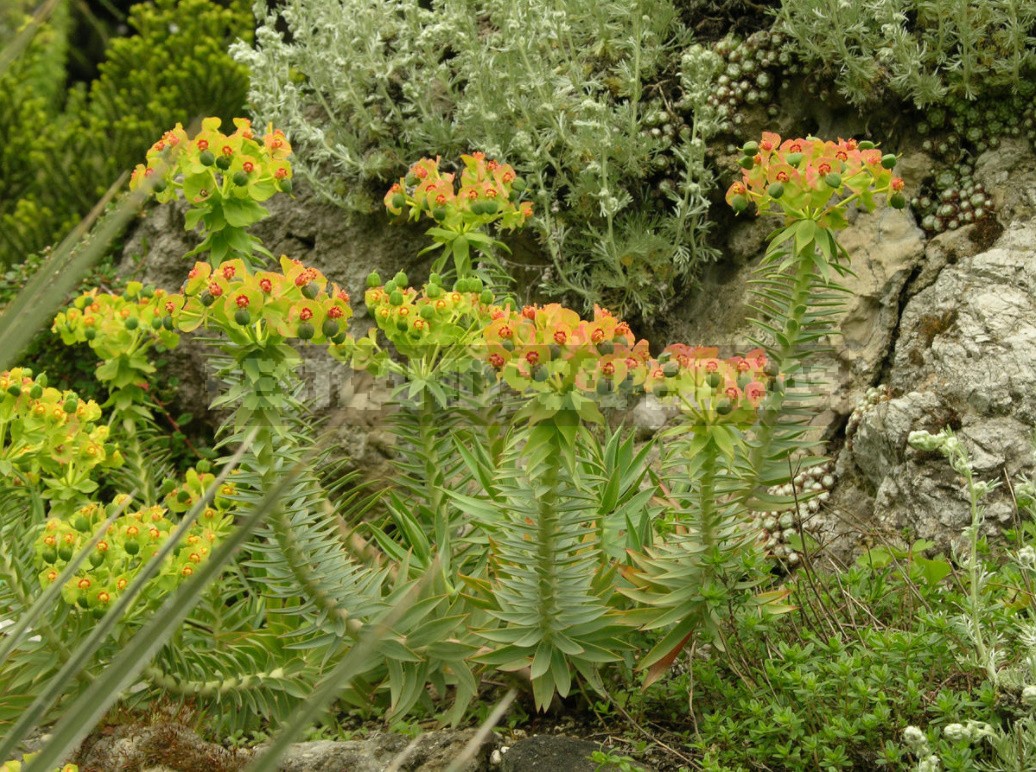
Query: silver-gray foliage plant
{"points": [[579, 96]]}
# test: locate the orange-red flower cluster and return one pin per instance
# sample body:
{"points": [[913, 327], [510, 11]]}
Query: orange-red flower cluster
{"points": [[489, 192], [799, 178], [295, 302]]}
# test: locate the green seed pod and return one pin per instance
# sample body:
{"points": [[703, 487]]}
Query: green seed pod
{"points": [[793, 159], [131, 546], [167, 322], [204, 466], [65, 552], [396, 298], [604, 387], [306, 330], [888, 160], [373, 279], [206, 298], [14, 390], [776, 190], [486, 297], [223, 162], [518, 184], [897, 200], [434, 291], [508, 345], [90, 333], [490, 207], [207, 158], [435, 278], [477, 207], [401, 325], [286, 185], [36, 391], [868, 145], [243, 317], [339, 339], [427, 311], [96, 558], [750, 148], [159, 186], [240, 179], [71, 404], [714, 380], [739, 204], [156, 322], [81, 523], [49, 555], [605, 347], [671, 369], [311, 290], [411, 179], [833, 180], [724, 407], [398, 201], [540, 374], [747, 162], [329, 328], [401, 279], [439, 213], [132, 323]]}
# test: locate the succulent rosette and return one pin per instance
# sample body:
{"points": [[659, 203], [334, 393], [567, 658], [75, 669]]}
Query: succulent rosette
{"points": [[251, 306], [799, 178], [489, 192], [50, 437], [550, 351], [709, 390], [131, 541]]}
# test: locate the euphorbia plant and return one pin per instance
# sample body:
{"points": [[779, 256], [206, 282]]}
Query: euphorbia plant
{"points": [[811, 184], [223, 178], [489, 194]]}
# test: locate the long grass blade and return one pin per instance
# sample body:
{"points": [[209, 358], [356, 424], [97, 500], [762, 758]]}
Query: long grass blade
{"points": [[471, 748], [46, 290]]}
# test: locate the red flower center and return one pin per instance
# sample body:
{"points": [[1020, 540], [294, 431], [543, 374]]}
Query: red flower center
{"points": [[305, 314], [242, 301]]}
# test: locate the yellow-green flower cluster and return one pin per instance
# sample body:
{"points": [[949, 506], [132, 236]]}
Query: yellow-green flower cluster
{"points": [[16, 766], [121, 330], [131, 541], [214, 164], [50, 437], [417, 322], [250, 307]]}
